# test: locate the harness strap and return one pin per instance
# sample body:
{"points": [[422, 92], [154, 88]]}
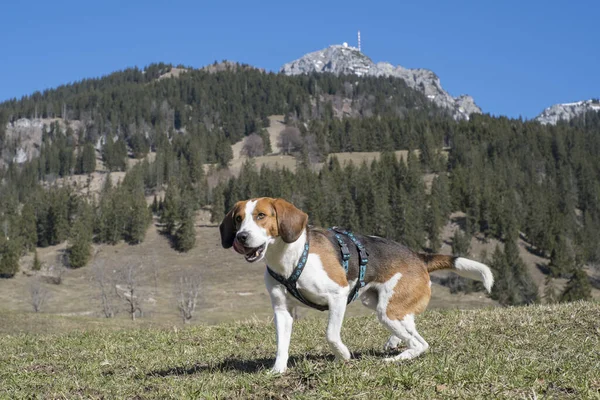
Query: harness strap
{"points": [[345, 251], [294, 291], [363, 255], [290, 283]]}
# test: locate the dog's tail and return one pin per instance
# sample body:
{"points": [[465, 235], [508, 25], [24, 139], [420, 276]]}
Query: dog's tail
{"points": [[462, 266]]}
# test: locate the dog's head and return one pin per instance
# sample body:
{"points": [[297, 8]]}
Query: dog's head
{"points": [[252, 225]]}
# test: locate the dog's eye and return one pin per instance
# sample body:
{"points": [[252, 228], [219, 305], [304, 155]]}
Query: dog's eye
{"points": [[238, 219], [260, 216]]}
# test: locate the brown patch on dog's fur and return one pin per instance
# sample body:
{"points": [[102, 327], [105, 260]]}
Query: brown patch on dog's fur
{"points": [[435, 262], [412, 292], [321, 246], [291, 221], [411, 296], [269, 222]]}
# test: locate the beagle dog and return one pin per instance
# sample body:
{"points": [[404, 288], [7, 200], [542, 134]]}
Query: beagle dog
{"points": [[396, 282]]}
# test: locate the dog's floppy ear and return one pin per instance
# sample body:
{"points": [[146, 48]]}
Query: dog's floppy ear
{"points": [[227, 228], [290, 220]]}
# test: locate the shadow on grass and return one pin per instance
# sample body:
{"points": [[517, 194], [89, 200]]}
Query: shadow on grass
{"points": [[253, 365]]}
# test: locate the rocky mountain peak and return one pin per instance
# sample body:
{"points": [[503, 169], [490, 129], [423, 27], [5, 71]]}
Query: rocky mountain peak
{"points": [[343, 59], [567, 111]]}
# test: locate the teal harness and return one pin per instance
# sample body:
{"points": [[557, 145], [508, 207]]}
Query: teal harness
{"points": [[290, 283]]}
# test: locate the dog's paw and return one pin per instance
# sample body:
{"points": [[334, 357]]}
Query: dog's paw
{"points": [[343, 356], [277, 370], [392, 344]]}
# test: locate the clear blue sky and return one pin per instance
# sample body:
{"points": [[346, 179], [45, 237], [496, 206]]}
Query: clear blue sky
{"points": [[514, 57]]}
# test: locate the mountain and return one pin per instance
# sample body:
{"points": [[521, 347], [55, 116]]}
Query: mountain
{"points": [[567, 111], [342, 59]]}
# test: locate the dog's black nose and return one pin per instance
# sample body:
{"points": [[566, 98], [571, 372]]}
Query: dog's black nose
{"points": [[242, 237]]}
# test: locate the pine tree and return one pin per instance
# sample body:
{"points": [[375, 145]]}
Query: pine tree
{"points": [[81, 240], [86, 161], [561, 262], [350, 217], [264, 134], [108, 152], [429, 153], [155, 205], [37, 265], [441, 190], [28, 227], [107, 186], [185, 235], [9, 258], [171, 208], [461, 244], [224, 153], [434, 222], [381, 213], [58, 217], [503, 280], [138, 217], [218, 209], [139, 145], [525, 290], [551, 294], [111, 214], [137, 214], [577, 288]]}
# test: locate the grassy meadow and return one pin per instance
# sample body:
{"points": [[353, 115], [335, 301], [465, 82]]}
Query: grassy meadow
{"points": [[549, 351]]}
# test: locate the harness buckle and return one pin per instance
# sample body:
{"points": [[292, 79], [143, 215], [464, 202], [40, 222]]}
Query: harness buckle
{"points": [[345, 252], [364, 256]]}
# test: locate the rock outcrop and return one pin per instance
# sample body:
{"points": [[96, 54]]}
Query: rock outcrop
{"points": [[567, 111], [342, 59]]}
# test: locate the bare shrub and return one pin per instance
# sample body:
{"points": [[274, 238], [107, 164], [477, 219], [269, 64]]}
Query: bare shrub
{"points": [[290, 140], [105, 284], [39, 295], [128, 289], [253, 146], [188, 289]]}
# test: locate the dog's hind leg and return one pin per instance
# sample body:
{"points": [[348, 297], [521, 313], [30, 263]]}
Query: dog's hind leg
{"points": [[405, 329], [370, 299], [392, 343], [400, 299], [337, 309]]}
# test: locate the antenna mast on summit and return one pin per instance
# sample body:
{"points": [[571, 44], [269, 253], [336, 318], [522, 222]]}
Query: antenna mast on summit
{"points": [[358, 40]]}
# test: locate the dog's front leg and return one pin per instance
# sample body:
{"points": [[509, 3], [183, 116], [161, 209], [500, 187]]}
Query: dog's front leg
{"points": [[337, 309], [283, 323], [283, 326]]}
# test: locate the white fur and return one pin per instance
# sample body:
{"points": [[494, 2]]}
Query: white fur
{"points": [[405, 329], [257, 235], [282, 257], [386, 291], [283, 322], [315, 285], [474, 270], [392, 343]]}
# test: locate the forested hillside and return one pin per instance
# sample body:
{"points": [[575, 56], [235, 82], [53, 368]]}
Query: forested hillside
{"points": [[510, 177]]}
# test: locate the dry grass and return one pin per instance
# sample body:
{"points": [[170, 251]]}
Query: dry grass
{"points": [[527, 352], [231, 289]]}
